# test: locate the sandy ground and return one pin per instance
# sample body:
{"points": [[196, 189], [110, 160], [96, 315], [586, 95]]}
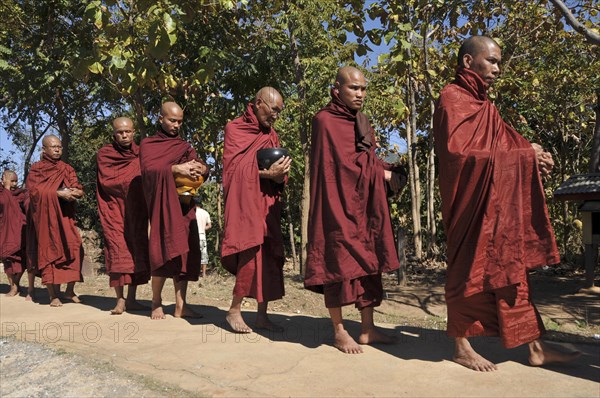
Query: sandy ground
{"points": [[174, 357]]}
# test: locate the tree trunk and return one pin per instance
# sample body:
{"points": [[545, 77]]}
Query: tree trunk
{"points": [[292, 237], [595, 158], [413, 166], [63, 125], [305, 204], [140, 112]]}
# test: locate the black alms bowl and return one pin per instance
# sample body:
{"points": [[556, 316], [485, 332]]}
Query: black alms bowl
{"points": [[266, 157]]}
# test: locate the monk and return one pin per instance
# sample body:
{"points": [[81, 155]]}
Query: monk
{"points": [[350, 238], [124, 216], [252, 247], [12, 229], [494, 213], [174, 245], [55, 242]]}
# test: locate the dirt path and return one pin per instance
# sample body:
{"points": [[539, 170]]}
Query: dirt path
{"points": [[202, 357]]}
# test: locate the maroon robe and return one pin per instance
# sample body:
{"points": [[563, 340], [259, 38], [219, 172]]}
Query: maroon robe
{"points": [[53, 241], [174, 245], [350, 238], [123, 214], [12, 229], [493, 207], [252, 246]]}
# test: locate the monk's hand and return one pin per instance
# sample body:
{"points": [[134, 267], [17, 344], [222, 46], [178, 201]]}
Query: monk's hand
{"points": [[279, 169], [394, 180], [69, 194], [192, 169], [544, 159]]}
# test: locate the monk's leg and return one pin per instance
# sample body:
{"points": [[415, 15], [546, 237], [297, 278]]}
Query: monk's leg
{"points": [[234, 316], [70, 293], [157, 285], [14, 280], [131, 304], [466, 356], [120, 307], [30, 286], [541, 354], [182, 310], [263, 321], [53, 294], [203, 270], [369, 334], [342, 339]]}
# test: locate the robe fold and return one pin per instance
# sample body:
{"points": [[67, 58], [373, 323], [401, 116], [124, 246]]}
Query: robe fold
{"points": [[252, 247], [123, 214], [350, 237], [12, 229], [174, 243], [53, 241], [493, 202]]}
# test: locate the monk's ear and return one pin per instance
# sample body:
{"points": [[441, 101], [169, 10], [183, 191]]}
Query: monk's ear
{"points": [[336, 86], [467, 60]]}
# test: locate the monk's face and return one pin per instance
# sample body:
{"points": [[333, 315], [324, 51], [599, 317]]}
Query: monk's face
{"points": [[171, 121], [123, 132], [10, 181], [486, 62], [52, 148], [352, 90], [268, 110]]}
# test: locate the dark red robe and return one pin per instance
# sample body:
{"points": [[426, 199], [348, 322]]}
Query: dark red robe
{"points": [[123, 214], [252, 247], [55, 244], [493, 203], [350, 238], [12, 229], [174, 245]]}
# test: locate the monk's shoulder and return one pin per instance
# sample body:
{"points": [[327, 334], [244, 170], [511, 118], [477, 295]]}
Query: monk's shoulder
{"points": [[453, 95]]}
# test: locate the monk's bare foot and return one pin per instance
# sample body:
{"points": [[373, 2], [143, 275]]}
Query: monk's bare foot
{"points": [[263, 322], [55, 302], [467, 357], [14, 290], [374, 336], [133, 305], [119, 308], [186, 312], [236, 322], [30, 296], [73, 297], [345, 343], [541, 354], [157, 311]]}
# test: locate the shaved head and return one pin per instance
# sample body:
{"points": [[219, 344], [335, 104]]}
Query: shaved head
{"points": [[171, 118], [346, 73], [473, 46], [121, 121], [10, 180], [52, 147], [123, 131], [268, 104], [50, 137]]}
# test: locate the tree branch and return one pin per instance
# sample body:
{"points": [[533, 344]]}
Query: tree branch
{"points": [[590, 35]]}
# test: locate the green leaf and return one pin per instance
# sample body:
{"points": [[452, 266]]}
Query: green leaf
{"points": [[169, 23], [96, 68]]}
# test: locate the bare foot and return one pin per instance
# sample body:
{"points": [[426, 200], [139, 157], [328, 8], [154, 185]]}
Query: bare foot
{"points": [[541, 354], [374, 336], [236, 322], [133, 305], [119, 308], [263, 322], [55, 302], [30, 296], [345, 343], [186, 312], [14, 290], [467, 357], [73, 297], [157, 312]]}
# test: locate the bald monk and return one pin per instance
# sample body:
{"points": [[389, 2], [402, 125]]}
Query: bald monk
{"points": [[174, 245], [350, 238], [55, 244], [494, 213], [252, 246], [124, 216], [12, 229]]}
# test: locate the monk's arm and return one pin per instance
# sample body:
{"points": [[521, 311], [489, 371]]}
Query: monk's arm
{"points": [[278, 170], [192, 169]]}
